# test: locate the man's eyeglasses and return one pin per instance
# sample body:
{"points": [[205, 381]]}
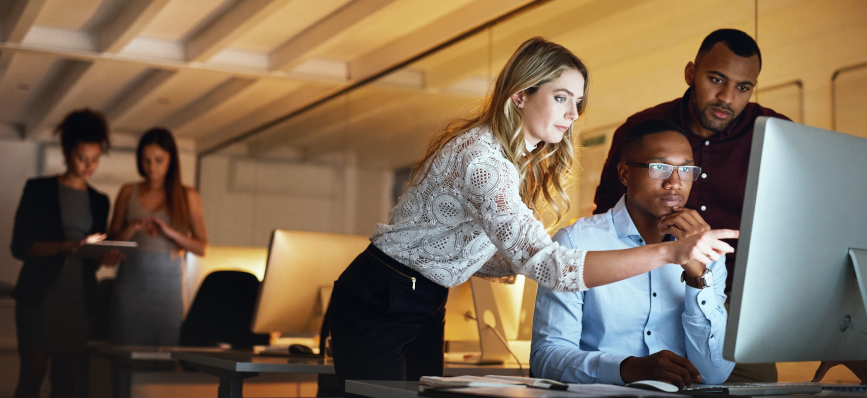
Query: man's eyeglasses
{"points": [[662, 171]]}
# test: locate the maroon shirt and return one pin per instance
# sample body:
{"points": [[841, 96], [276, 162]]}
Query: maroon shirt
{"points": [[718, 194]]}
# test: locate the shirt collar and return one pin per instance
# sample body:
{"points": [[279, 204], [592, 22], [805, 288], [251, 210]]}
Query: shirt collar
{"points": [[623, 225]]}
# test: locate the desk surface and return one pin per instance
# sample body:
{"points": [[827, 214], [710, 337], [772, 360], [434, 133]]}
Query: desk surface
{"points": [[238, 361], [148, 353], [383, 389], [409, 389]]}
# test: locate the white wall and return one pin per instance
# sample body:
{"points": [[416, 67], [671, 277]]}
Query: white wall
{"points": [[244, 200]]}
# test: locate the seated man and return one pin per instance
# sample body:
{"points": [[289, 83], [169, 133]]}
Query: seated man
{"points": [[652, 326]]}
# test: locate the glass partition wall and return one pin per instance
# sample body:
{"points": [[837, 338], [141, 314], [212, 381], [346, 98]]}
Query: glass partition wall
{"points": [[337, 166]]}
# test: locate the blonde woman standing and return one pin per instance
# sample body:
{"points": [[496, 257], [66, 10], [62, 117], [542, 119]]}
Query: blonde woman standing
{"points": [[471, 209], [166, 219]]}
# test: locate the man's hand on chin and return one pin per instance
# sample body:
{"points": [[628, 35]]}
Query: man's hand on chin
{"points": [[683, 223]]}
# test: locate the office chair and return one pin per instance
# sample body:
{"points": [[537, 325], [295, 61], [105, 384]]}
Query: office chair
{"points": [[222, 310]]}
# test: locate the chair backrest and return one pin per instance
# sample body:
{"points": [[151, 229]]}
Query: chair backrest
{"points": [[222, 310]]}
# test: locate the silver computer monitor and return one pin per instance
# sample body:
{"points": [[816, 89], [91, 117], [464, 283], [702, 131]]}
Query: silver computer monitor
{"points": [[796, 294], [300, 272]]}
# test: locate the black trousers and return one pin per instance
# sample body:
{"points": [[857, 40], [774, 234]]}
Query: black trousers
{"points": [[66, 372], [382, 329]]}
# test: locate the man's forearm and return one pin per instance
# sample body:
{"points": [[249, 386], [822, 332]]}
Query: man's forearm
{"points": [[704, 324], [571, 365]]}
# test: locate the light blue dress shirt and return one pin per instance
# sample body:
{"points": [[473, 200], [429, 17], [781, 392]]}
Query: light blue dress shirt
{"points": [[583, 337]]}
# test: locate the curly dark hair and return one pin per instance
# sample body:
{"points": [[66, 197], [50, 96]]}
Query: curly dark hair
{"points": [[83, 126]]}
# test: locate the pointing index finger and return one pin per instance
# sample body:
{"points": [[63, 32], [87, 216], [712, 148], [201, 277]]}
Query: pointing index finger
{"points": [[723, 233]]}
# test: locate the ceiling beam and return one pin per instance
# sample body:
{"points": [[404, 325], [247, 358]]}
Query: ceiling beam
{"points": [[462, 62], [303, 96], [139, 89], [94, 89], [300, 76], [132, 19], [552, 25], [9, 130], [21, 17], [20, 75], [214, 146], [309, 128], [400, 142], [429, 36], [64, 78], [206, 102], [378, 126], [245, 15], [295, 51]]}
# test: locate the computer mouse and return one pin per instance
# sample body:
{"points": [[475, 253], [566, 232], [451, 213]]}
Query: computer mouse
{"points": [[654, 385], [300, 349]]}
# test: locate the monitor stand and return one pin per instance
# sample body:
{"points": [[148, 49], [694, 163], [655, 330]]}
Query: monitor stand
{"points": [[493, 350], [488, 323], [859, 262]]}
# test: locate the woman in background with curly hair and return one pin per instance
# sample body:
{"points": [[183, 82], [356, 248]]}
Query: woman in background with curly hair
{"points": [[56, 291]]}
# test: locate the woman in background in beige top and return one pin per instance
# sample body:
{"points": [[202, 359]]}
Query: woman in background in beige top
{"points": [[165, 218]]}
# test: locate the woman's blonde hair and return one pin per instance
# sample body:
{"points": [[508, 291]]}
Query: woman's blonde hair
{"points": [[542, 172]]}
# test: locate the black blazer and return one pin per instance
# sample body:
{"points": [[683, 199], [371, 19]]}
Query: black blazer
{"points": [[38, 220]]}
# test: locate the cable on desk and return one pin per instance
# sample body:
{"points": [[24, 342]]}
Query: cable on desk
{"points": [[499, 336], [469, 315]]}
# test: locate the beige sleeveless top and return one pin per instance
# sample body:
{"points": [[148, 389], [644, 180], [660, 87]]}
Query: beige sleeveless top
{"points": [[147, 243]]}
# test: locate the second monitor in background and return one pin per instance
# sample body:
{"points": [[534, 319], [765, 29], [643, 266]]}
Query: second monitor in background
{"points": [[488, 322], [299, 276]]}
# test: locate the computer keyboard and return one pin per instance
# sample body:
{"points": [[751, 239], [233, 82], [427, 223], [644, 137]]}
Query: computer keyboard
{"points": [[750, 389]]}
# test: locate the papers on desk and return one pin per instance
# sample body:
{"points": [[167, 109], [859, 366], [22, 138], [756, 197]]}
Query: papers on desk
{"points": [[490, 381], [505, 386], [465, 381], [609, 390]]}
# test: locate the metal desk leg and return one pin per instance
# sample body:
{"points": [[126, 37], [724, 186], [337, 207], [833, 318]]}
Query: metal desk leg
{"points": [[231, 386], [121, 373], [231, 382]]}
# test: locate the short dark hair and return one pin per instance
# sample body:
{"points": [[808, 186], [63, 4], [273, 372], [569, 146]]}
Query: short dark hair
{"points": [[636, 134], [737, 41], [83, 126]]}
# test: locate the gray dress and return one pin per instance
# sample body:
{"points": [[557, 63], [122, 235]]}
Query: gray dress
{"points": [[148, 296], [60, 324]]}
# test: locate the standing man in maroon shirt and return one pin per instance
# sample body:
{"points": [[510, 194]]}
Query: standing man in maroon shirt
{"points": [[718, 118]]}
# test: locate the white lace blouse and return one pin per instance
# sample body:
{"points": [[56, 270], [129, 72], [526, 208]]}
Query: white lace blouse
{"points": [[466, 217]]}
